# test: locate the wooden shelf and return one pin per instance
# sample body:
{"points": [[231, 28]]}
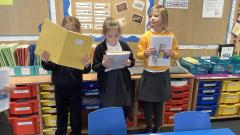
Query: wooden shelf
{"points": [[225, 117], [86, 77]]}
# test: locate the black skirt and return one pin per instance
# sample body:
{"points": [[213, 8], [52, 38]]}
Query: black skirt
{"points": [[155, 87], [116, 88]]}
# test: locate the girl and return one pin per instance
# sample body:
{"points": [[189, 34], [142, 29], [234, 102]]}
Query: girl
{"points": [[67, 83], [155, 82], [115, 84]]}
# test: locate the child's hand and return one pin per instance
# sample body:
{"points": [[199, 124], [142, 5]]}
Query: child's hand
{"points": [[150, 51], [9, 88], [127, 63], [86, 61], [45, 56], [107, 62], [169, 53]]}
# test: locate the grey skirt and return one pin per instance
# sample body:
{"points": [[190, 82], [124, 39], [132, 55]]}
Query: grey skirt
{"points": [[155, 87]]}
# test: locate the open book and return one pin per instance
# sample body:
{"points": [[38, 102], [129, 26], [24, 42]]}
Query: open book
{"points": [[162, 44], [65, 47], [118, 59]]}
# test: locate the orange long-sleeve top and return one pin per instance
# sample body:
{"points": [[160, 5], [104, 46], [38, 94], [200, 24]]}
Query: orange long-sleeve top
{"points": [[144, 44]]}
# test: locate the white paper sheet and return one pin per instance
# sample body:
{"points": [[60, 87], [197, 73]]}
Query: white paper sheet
{"points": [[118, 60], [138, 4], [162, 45], [181, 4], [212, 8]]}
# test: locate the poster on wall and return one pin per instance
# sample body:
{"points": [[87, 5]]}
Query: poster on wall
{"points": [[180, 4], [212, 8]]}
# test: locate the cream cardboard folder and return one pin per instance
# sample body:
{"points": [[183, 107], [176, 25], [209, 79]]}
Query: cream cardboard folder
{"points": [[65, 47]]}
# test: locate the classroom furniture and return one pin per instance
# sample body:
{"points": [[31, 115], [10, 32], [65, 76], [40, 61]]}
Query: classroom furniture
{"points": [[221, 95], [195, 121], [220, 131], [107, 121], [47, 106]]}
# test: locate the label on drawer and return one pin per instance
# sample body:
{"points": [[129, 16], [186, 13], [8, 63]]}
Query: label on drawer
{"points": [[232, 97], [42, 71], [24, 123], [210, 84], [11, 72], [208, 98], [208, 91], [94, 93], [92, 107], [22, 108], [20, 91], [25, 71], [171, 117], [206, 111], [175, 109], [230, 109]]}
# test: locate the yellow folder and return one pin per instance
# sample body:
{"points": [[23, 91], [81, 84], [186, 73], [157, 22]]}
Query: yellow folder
{"points": [[65, 47]]}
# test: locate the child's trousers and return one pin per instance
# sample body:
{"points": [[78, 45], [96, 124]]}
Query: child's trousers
{"points": [[68, 100]]}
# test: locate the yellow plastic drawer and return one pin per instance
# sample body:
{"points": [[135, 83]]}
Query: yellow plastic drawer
{"points": [[47, 110], [49, 131], [228, 109], [231, 86], [48, 103], [230, 97], [47, 87], [50, 120], [47, 95]]}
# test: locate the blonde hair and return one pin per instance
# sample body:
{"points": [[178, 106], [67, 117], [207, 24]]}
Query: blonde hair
{"points": [[110, 23], [73, 20], [164, 14]]}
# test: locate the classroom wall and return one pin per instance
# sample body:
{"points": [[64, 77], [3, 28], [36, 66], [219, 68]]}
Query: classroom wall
{"points": [[33, 12]]}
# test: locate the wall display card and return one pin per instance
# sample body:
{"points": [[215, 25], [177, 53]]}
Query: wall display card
{"points": [[85, 18], [212, 8], [98, 26], [181, 4], [162, 44], [104, 6], [87, 26], [138, 4], [137, 18], [121, 6], [83, 12], [236, 29], [99, 19], [160, 2], [6, 2], [101, 13], [85, 5]]}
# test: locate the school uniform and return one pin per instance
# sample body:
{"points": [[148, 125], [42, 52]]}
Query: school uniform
{"points": [[115, 84], [155, 83], [68, 96], [5, 127]]}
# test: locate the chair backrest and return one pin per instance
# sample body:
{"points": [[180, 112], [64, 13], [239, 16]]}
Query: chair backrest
{"points": [[191, 120], [107, 121]]}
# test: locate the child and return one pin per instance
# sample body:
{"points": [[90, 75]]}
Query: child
{"points": [[67, 83], [5, 127], [115, 84], [155, 83]]}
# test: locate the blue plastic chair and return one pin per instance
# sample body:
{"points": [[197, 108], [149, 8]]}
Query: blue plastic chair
{"points": [[107, 121], [191, 120]]}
